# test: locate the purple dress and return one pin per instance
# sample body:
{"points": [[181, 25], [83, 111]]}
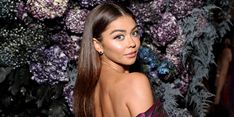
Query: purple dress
{"points": [[155, 110]]}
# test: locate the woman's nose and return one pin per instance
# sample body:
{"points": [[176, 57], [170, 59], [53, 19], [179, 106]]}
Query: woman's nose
{"points": [[131, 42]]}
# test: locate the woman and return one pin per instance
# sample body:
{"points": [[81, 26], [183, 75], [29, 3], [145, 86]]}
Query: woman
{"points": [[225, 77], [105, 87]]}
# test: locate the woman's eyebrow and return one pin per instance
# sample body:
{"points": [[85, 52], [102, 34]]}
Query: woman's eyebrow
{"points": [[117, 30], [121, 30], [135, 27]]}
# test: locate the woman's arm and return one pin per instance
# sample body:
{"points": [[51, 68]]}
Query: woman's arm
{"points": [[224, 66]]}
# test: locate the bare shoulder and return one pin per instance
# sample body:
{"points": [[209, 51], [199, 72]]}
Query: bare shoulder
{"points": [[139, 96], [138, 81], [137, 77], [133, 81]]}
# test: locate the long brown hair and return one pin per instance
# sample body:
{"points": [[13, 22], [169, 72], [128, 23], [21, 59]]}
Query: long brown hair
{"points": [[89, 64]]}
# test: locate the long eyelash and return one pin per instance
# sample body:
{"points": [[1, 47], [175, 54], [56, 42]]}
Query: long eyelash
{"points": [[117, 36]]}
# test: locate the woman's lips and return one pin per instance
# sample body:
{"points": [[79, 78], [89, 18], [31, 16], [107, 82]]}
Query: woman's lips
{"points": [[131, 54]]}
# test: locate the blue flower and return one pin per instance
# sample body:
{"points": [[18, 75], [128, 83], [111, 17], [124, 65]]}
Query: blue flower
{"points": [[163, 70]]}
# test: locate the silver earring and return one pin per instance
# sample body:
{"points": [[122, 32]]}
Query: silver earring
{"points": [[100, 53]]}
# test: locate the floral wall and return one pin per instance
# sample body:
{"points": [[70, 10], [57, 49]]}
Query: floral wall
{"points": [[40, 41]]}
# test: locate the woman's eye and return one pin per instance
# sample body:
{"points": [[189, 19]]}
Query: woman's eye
{"points": [[119, 37], [135, 33]]}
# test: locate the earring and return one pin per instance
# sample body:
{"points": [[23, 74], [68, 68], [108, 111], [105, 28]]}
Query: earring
{"points": [[100, 53]]}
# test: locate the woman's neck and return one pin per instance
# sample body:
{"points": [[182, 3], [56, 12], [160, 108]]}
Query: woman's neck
{"points": [[115, 67]]}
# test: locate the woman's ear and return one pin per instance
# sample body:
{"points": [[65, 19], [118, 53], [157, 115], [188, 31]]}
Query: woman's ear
{"points": [[97, 45]]}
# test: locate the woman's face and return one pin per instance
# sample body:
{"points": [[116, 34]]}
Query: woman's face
{"points": [[121, 41]]}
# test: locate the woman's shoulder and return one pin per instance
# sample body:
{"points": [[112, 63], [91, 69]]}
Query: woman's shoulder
{"points": [[138, 81], [131, 79], [135, 80], [139, 96]]}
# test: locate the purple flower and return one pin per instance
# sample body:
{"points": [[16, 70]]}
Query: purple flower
{"points": [[75, 20], [181, 8], [69, 87], [21, 10], [47, 9], [174, 52], [90, 3], [69, 44], [183, 82], [158, 6], [165, 31], [147, 12], [68, 93], [52, 69]]}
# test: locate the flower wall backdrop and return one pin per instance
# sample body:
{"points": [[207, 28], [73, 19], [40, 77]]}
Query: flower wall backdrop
{"points": [[40, 41]]}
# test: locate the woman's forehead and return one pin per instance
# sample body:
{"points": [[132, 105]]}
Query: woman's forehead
{"points": [[123, 22]]}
